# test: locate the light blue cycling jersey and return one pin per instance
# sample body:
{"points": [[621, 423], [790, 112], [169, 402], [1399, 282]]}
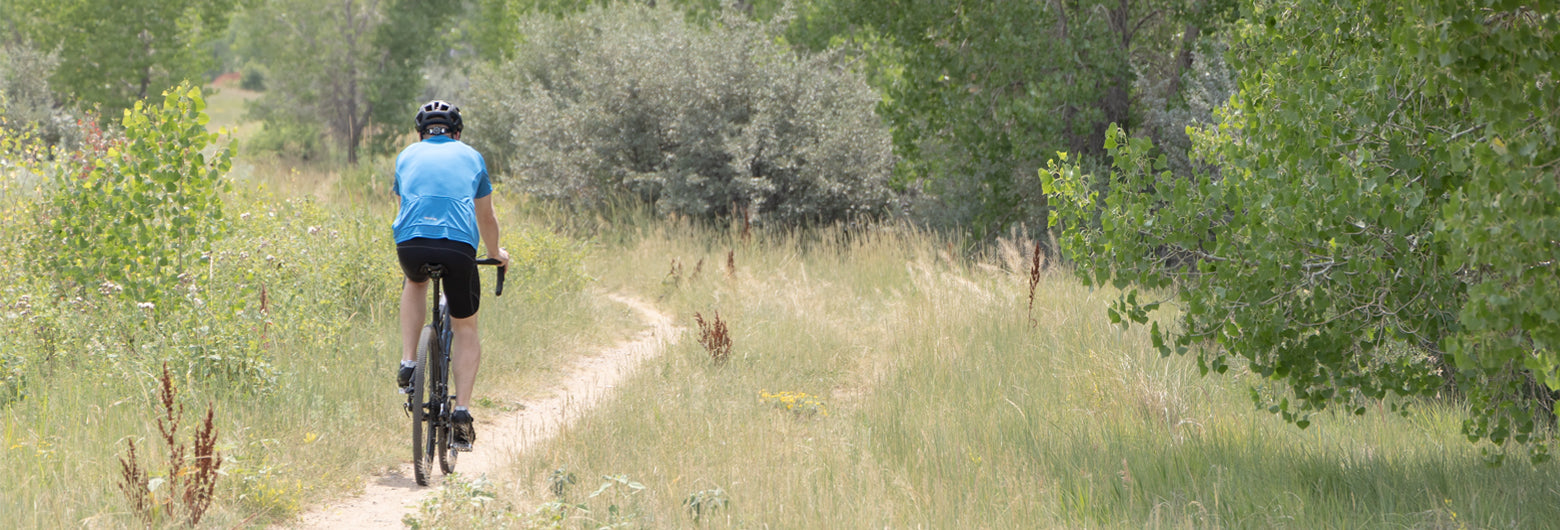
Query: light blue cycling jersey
{"points": [[439, 180]]}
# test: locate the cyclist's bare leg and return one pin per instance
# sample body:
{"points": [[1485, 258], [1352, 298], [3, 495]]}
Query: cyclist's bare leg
{"points": [[414, 310], [466, 357]]}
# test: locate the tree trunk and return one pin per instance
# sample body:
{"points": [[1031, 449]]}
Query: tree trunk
{"points": [[1183, 60]]}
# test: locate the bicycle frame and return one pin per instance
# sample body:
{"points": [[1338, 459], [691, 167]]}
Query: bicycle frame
{"points": [[433, 378]]}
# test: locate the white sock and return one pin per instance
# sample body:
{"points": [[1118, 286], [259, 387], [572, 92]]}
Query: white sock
{"points": [[458, 409], [409, 364]]}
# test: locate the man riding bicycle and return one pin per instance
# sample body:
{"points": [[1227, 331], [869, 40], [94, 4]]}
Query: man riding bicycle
{"points": [[446, 206]]}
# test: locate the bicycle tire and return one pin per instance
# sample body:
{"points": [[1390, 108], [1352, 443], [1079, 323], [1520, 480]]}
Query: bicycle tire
{"points": [[420, 455], [448, 456], [447, 453]]}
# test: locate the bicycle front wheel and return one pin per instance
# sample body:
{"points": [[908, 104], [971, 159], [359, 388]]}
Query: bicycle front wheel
{"points": [[422, 452]]}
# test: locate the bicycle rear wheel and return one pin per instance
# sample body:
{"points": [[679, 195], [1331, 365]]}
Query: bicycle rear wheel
{"points": [[447, 453], [422, 449], [446, 432]]}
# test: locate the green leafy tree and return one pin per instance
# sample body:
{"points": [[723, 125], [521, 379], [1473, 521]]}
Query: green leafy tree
{"points": [[140, 213], [116, 52], [1383, 218], [495, 29], [342, 68], [978, 91]]}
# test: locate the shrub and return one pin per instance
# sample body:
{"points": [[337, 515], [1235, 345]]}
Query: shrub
{"points": [[253, 77], [709, 122], [26, 104], [142, 211]]}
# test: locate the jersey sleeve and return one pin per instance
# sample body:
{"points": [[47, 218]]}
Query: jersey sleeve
{"points": [[484, 186]]}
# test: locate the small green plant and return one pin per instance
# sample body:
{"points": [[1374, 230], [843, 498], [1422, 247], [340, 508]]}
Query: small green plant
{"points": [[463, 503], [187, 484], [13, 380], [800, 403], [559, 481], [620, 493], [143, 211], [708, 500], [715, 338]]}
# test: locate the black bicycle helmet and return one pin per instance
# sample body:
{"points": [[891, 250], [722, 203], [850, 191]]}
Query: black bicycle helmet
{"points": [[439, 112]]}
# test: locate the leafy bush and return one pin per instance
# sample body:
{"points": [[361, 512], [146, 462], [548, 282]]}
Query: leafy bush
{"points": [[143, 279], [712, 122], [1382, 223], [295, 140], [26, 104], [141, 212], [253, 77]]}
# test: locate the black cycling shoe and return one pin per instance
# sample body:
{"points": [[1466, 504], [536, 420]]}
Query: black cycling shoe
{"points": [[404, 379], [465, 433]]}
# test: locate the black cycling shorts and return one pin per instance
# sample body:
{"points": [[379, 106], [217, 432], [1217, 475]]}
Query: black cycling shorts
{"points": [[462, 284]]}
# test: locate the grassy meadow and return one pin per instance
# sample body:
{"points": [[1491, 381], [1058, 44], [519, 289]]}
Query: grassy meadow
{"points": [[877, 379], [290, 337]]}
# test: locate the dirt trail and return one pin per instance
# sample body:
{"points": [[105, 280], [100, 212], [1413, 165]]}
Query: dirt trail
{"points": [[388, 498]]}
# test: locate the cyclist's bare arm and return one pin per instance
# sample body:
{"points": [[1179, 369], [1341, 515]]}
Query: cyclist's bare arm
{"points": [[487, 222]]}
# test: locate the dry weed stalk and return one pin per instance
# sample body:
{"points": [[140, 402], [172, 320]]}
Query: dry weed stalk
{"points": [[674, 276], [1034, 281], [731, 264], [697, 268], [746, 214], [189, 485], [715, 338]]}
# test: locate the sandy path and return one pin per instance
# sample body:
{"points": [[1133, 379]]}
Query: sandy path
{"points": [[388, 498]]}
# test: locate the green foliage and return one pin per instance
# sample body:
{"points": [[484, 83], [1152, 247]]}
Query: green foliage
{"points": [[984, 89], [295, 140], [253, 77], [26, 103], [1381, 221], [143, 212], [703, 503], [347, 71], [543, 265], [463, 503], [116, 52], [407, 38], [709, 123], [495, 30]]}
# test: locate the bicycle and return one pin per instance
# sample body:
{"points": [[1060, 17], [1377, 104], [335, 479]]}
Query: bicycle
{"points": [[431, 377]]}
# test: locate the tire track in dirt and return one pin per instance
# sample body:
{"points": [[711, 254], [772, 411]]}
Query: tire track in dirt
{"points": [[386, 499]]}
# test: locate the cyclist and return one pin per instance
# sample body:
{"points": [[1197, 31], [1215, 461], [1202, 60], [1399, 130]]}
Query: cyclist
{"points": [[446, 206]]}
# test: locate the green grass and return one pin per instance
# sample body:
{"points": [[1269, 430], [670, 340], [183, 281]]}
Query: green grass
{"points": [[299, 375], [946, 408], [938, 403]]}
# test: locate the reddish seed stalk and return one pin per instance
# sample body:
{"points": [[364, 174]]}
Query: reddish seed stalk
{"points": [[1034, 281]]}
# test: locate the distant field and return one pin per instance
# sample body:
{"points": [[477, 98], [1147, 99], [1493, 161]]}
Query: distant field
{"points": [[226, 107]]}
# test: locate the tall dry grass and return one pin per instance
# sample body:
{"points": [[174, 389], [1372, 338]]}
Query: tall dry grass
{"points": [[300, 375], [947, 408]]}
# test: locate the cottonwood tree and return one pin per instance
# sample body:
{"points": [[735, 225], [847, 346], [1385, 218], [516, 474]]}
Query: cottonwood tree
{"points": [[113, 53], [1384, 219], [348, 66], [980, 92]]}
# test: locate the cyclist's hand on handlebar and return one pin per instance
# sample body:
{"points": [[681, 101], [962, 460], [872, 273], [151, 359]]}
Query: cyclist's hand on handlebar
{"points": [[502, 257]]}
